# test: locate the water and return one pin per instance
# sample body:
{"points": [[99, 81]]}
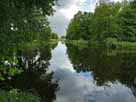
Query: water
{"points": [[69, 73], [81, 87]]}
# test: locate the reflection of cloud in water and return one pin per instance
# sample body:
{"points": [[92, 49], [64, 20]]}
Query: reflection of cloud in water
{"points": [[60, 58], [76, 87]]}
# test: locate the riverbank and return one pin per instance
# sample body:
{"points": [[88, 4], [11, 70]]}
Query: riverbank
{"points": [[110, 43], [120, 45], [81, 43], [36, 43]]}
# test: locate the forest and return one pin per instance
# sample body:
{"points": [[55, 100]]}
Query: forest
{"points": [[25, 21], [112, 23]]}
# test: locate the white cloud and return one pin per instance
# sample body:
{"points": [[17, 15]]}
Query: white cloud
{"points": [[70, 12], [58, 22], [74, 87]]}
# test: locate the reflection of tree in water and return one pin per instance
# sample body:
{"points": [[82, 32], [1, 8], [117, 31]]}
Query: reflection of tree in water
{"points": [[105, 68], [35, 78]]}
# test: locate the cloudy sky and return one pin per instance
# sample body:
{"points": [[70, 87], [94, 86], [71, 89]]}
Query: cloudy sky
{"points": [[66, 10]]}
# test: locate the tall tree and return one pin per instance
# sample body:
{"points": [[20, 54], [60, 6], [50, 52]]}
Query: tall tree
{"points": [[79, 27], [105, 21]]}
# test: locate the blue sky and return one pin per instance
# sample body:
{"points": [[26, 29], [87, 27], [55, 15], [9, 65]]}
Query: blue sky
{"points": [[65, 12]]}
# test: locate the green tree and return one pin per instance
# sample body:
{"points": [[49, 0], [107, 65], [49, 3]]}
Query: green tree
{"points": [[19, 19], [105, 21], [54, 35], [127, 19], [101, 24], [79, 27]]}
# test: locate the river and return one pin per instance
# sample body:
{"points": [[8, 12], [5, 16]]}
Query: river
{"points": [[68, 73]]}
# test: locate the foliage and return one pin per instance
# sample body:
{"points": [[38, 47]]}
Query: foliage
{"points": [[127, 22], [81, 43], [54, 36], [15, 95], [105, 21], [120, 45], [103, 64], [29, 73], [24, 21], [79, 26], [110, 20]]}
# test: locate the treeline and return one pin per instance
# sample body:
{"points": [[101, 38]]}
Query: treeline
{"points": [[25, 20], [109, 20]]}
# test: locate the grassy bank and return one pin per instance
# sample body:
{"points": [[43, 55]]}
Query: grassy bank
{"points": [[110, 43], [37, 43], [81, 43], [120, 45]]}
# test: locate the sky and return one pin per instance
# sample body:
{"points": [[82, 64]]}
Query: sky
{"points": [[66, 11]]}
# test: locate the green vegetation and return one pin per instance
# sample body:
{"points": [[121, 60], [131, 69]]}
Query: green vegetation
{"points": [[109, 21], [23, 25], [127, 21], [120, 45], [54, 36], [17, 96], [24, 28], [24, 21], [25, 69], [105, 65], [81, 43]]}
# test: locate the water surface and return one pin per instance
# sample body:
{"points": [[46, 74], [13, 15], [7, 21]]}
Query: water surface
{"points": [[69, 73], [81, 86]]}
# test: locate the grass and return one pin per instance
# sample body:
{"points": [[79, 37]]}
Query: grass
{"points": [[80, 43], [126, 45], [120, 45], [35, 44], [113, 46]]}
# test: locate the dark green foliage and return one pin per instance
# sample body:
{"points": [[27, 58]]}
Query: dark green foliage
{"points": [[95, 26], [25, 70], [24, 20], [105, 21], [110, 20], [17, 96], [54, 36], [79, 27], [28, 73], [128, 22], [105, 65]]}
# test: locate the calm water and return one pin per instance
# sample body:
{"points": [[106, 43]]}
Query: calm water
{"points": [[69, 73]]}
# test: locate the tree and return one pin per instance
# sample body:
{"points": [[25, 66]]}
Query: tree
{"points": [[54, 35], [79, 27], [105, 21], [127, 19], [20, 18], [95, 26]]}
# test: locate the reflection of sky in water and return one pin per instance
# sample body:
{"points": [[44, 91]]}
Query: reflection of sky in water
{"points": [[80, 87], [60, 58]]}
